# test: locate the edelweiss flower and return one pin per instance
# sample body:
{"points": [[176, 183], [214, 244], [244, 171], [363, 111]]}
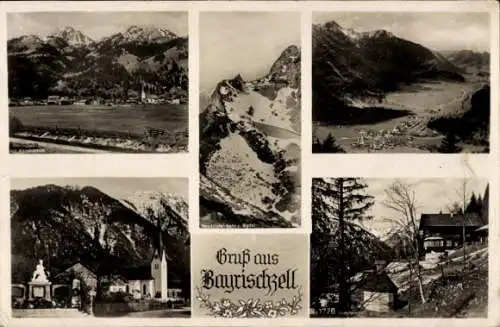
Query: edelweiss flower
{"points": [[268, 305]]}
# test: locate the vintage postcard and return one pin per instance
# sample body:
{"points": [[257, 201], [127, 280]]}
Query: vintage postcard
{"points": [[93, 82], [257, 163]]}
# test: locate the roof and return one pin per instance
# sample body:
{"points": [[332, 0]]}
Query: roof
{"points": [[449, 220], [378, 282], [433, 238], [482, 228], [136, 273]]}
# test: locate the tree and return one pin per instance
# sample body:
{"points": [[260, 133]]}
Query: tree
{"points": [[329, 145], [449, 144], [474, 205], [250, 111], [335, 203], [401, 198]]}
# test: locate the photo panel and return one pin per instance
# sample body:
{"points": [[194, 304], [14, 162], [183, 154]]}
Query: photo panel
{"points": [[399, 248], [98, 82], [401, 82], [250, 119], [100, 247]]}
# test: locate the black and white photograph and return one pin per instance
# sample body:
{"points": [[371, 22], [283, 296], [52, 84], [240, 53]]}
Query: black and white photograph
{"points": [[401, 82], [399, 248], [100, 247], [250, 119], [92, 82]]}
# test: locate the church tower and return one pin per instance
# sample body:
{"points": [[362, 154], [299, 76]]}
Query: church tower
{"points": [[164, 276], [159, 272]]}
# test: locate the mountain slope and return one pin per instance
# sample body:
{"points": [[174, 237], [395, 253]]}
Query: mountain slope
{"points": [[349, 65], [469, 58], [65, 225], [70, 63], [250, 147]]}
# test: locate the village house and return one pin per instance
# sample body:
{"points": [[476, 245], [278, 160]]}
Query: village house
{"points": [[445, 231], [374, 290]]}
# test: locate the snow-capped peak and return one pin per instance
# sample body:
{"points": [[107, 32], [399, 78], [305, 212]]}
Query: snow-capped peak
{"points": [[73, 37], [148, 34], [144, 201], [351, 33]]}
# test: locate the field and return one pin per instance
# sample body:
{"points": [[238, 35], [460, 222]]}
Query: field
{"points": [[104, 127], [134, 119], [403, 127]]}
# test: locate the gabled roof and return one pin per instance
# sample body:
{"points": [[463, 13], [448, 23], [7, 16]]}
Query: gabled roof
{"points": [[448, 220], [136, 273], [378, 282]]}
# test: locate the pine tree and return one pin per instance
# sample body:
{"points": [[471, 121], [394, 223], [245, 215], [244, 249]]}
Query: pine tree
{"points": [[449, 144], [329, 145], [335, 203], [473, 206]]}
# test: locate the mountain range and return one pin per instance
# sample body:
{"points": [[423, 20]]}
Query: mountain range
{"points": [[71, 63], [349, 65], [250, 149], [66, 225]]}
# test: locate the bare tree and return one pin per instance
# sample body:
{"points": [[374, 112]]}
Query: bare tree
{"points": [[401, 198], [462, 193]]}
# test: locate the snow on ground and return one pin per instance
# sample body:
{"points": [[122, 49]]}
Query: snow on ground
{"points": [[277, 144], [264, 110], [236, 167]]}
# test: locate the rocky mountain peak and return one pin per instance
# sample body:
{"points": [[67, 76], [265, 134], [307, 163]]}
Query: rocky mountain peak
{"points": [[286, 69], [73, 37], [332, 26]]}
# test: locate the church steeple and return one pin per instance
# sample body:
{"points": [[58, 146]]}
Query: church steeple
{"points": [[159, 269]]}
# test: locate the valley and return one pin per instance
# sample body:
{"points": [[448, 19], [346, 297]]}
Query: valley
{"points": [[415, 106]]}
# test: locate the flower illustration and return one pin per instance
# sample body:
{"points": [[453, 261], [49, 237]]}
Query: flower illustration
{"points": [[250, 308]]}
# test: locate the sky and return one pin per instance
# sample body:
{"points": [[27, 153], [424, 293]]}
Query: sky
{"points": [[115, 187], [245, 43], [437, 31], [93, 24], [432, 196]]}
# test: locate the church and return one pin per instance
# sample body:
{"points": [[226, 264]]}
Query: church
{"points": [[144, 282]]}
